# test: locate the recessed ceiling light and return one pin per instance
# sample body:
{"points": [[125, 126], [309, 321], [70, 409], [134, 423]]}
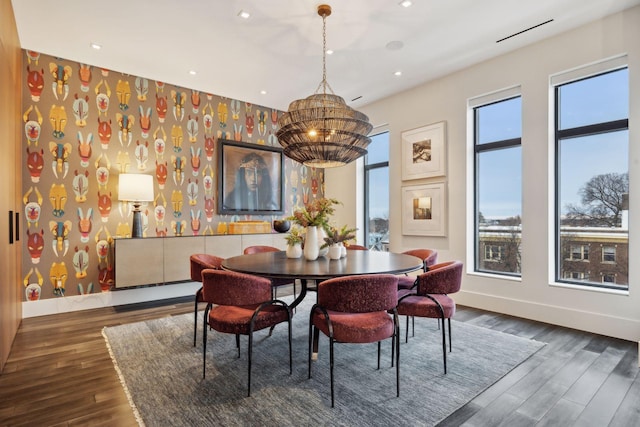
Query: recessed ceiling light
{"points": [[95, 46], [193, 72], [397, 73], [405, 3], [263, 92], [244, 15], [329, 52]]}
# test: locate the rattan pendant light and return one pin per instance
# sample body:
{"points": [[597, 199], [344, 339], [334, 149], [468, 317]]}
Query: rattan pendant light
{"points": [[322, 130]]}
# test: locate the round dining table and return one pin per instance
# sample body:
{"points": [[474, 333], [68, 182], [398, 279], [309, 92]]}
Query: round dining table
{"points": [[276, 265]]}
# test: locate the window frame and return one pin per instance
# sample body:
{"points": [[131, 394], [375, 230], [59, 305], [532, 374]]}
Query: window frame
{"points": [[577, 132], [478, 149], [368, 168]]}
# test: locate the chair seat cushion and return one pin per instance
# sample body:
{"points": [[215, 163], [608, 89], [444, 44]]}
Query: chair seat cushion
{"points": [[235, 319], [406, 282], [422, 306], [356, 327]]}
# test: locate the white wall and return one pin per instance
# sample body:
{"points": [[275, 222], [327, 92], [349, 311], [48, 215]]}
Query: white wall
{"points": [[446, 99]]}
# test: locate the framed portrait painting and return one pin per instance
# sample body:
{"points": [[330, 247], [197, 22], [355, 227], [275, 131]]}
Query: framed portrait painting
{"points": [[250, 179], [424, 209], [424, 152]]}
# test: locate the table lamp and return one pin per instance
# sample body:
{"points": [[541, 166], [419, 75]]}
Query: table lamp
{"points": [[135, 188]]}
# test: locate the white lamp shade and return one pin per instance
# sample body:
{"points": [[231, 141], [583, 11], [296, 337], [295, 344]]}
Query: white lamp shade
{"points": [[135, 187]]}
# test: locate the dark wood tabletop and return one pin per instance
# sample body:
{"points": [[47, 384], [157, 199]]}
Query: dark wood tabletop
{"points": [[277, 265]]}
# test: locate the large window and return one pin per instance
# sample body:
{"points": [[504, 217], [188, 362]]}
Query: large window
{"points": [[376, 182], [592, 180], [498, 186]]}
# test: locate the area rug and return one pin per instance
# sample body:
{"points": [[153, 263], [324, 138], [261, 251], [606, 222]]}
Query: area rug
{"points": [[161, 372]]}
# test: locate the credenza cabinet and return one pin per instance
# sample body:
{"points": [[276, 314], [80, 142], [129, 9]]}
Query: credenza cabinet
{"points": [[160, 260]]}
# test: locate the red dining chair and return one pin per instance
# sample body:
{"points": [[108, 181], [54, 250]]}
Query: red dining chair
{"points": [[355, 247], [200, 262], [428, 256], [431, 298], [275, 283], [354, 309], [240, 304]]}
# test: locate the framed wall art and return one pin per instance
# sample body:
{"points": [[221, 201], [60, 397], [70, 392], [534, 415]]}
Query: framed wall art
{"points": [[424, 152], [251, 179], [424, 209]]}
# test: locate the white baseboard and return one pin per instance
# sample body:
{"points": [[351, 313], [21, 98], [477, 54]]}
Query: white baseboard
{"points": [[597, 323], [107, 299]]}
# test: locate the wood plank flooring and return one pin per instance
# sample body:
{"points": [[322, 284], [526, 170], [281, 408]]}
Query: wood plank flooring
{"points": [[59, 373]]}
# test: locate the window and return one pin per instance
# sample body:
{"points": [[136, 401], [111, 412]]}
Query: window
{"points": [[493, 253], [498, 185], [376, 183], [579, 253], [576, 275], [592, 180], [609, 254]]}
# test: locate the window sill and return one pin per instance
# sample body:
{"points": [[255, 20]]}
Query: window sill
{"points": [[495, 276], [590, 288]]}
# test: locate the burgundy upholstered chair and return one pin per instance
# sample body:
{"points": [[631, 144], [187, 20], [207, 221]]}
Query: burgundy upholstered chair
{"points": [[428, 256], [354, 309], [275, 283], [240, 304], [200, 262], [354, 247], [431, 297]]}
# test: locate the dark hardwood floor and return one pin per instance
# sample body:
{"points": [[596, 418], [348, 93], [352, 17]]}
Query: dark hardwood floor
{"points": [[59, 373]]}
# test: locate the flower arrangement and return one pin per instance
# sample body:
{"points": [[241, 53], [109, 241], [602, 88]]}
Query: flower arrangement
{"points": [[335, 236], [294, 236], [315, 214]]}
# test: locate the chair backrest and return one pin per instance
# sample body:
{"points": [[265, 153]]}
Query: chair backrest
{"points": [[200, 262], [224, 287], [356, 248], [428, 256], [258, 249], [359, 294], [443, 278]]}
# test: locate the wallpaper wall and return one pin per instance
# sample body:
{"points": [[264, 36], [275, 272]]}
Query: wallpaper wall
{"points": [[84, 125]]}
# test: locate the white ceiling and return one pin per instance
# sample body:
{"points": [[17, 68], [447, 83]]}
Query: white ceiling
{"points": [[279, 48]]}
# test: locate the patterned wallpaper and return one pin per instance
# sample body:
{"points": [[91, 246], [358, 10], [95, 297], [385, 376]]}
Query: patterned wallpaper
{"points": [[84, 125]]}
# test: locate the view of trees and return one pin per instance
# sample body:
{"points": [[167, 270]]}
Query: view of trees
{"points": [[602, 202]]}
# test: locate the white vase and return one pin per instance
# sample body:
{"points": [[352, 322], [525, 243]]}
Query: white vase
{"points": [[311, 245], [335, 252], [294, 251], [321, 235], [343, 250]]}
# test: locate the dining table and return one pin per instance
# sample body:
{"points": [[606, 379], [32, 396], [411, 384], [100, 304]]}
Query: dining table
{"points": [[276, 265]]}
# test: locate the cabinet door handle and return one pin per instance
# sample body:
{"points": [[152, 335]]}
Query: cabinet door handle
{"points": [[11, 227]]}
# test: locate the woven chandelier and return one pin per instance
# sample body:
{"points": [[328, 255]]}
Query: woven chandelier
{"points": [[321, 130]]}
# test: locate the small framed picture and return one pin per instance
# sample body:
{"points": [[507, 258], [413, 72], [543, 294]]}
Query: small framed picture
{"points": [[424, 152], [424, 209], [251, 179]]}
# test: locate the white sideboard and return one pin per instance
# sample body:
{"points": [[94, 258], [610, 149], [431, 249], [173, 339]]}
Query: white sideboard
{"points": [[159, 260]]}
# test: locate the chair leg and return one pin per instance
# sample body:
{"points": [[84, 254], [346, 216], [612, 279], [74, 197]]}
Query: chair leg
{"points": [[290, 352], [406, 333], [331, 368], [397, 342], [444, 347], [379, 344], [249, 367], [449, 322], [238, 344], [413, 326]]}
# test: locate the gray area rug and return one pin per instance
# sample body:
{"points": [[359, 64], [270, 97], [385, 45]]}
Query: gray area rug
{"points": [[161, 372]]}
